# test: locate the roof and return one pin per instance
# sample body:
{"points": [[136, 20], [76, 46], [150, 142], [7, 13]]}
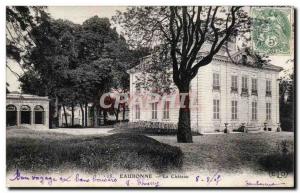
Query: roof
{"points": [[145, 61], [251, 61], [26, 96]]}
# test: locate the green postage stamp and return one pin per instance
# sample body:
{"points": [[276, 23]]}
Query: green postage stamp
{"points": [[271, 32]]}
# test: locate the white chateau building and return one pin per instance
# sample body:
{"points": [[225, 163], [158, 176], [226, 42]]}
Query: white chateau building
{"points": [[228, 94]]}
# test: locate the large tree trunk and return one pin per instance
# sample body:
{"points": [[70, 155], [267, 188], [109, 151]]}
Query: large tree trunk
{"points": [[51, 114], [104, 117], [117, 113], [184, 133], [124, 112], [72, 118], [56, 117], [65, 115], [86, 114], [100, 113], [82, 115], [95, 121]]}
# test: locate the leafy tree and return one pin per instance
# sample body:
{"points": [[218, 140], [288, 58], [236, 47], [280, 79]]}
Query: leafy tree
{"points": [[31, 83], [156, 77], [185, 33], [48, 60], [91, 80], [124, 59], [286, 102], [54, 53], [76, 64], [19, 20], [97, 40]]}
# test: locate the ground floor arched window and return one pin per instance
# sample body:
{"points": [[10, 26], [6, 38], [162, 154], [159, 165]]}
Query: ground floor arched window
{"points": [[39, 114], [25, 114], [11, 115]]}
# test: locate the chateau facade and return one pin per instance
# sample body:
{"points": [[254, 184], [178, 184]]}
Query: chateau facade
{"points": [[227, 94]]}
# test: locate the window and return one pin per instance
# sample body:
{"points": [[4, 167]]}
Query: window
{"points": [[137, 111], [234, 84], [25, 114], [244, 82], [244, 85], [216, 109], [254, 86], [38, 115], [216, 81], [254, 110], [233, 110], [154, 110], [268, 111], [268, 88], [167, 110]]}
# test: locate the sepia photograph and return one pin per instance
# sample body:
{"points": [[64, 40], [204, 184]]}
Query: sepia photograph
{"points": [[150, 96]]}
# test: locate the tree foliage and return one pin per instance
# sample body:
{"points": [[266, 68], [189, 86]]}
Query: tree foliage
{"points": [[19, 21], [286, 102], [76, 63]]}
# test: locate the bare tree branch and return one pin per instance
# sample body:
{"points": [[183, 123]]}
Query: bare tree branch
{"points": [[198, 44], [229, 29], [173, 46], [216, 34]]}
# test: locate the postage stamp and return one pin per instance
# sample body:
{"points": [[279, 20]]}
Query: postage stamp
{"points": [[271, 33]]}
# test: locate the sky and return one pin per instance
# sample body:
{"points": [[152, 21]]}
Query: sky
{"points": [[78, 14]]}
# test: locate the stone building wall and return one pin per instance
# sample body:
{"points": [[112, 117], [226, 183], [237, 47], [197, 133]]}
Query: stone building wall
{"points": [[22, 101]]}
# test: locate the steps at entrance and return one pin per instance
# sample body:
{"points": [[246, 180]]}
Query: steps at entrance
{"points": [[249, 129], [252, 129]]}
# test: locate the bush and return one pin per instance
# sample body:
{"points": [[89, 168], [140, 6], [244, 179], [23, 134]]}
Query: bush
{"points": [[113, 122], [287, 124], [117, 151], [147, 127], [278, 162], [282, 160], [241, 128], [146, 124], [77, 126]]}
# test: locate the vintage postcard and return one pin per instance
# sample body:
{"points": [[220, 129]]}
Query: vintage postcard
{"points": [[150, 96]]}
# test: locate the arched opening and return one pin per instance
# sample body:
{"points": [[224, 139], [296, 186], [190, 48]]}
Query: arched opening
{"points": [[11, 115], [25, 114], [39, 114]]}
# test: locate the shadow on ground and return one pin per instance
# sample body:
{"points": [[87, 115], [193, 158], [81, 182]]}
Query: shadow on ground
{"points": [[36, 151]]}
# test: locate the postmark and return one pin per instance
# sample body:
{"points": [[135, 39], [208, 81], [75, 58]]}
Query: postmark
{"points": [[271, 32]]}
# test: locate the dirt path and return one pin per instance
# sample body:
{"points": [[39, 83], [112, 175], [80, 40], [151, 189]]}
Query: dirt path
{"points": [[89, 131]]}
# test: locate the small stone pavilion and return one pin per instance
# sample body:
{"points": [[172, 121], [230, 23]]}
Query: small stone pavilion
{"points": [[24, 110]]}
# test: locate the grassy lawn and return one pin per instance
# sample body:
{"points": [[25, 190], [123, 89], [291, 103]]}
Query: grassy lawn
{"points": [[233, 152], [46, 151], [41, 150]]}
